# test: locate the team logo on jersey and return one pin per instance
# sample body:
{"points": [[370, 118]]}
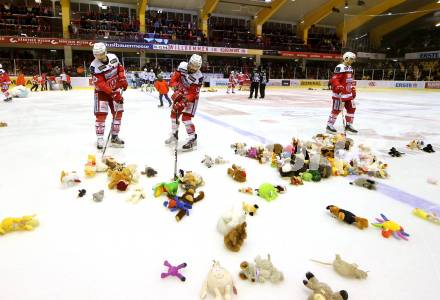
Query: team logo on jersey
{"points": [[101, 67], [113, 61]]}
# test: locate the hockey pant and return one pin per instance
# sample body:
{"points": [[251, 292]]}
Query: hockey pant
{"points": [[186, 113], [5, 91], [34, 86], [338, 106], [254, 87], [231, 85], [102, 104], [262, 90]]}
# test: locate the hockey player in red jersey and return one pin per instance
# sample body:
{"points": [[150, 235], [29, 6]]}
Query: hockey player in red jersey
{"points": [[186, 81], [5, 81], [344, 93], [232, 82], [109, 78]]}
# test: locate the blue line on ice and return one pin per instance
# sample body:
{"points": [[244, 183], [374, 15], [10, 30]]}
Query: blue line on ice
{"points": [[387, 190]]}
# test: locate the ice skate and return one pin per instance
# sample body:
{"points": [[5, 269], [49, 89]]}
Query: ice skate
{"points": [[117, 142], [100, 143], [191, 144], [8, 99], [349, 128], [171, 140], [331, 129]]}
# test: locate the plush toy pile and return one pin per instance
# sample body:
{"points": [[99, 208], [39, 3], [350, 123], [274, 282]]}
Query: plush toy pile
{"points": [[321, 157]]}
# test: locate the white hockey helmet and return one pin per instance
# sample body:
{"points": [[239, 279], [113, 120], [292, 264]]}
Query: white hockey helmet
{"points": [[145, 70], [1, 66], [2, 71], [195, 63], [349, 56], [99, 48], [151, 70]]}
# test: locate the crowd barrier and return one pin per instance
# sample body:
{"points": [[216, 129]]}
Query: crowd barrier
{"points": [[84, 82]]}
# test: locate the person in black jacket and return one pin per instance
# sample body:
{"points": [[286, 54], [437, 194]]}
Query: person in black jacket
{"points": [[264, 79], [255, 82]]}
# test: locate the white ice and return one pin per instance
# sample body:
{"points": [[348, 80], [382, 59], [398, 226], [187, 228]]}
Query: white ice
{"points": [[115, 250]]}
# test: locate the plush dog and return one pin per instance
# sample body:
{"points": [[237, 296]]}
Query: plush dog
{"points": [[237, 173], [249, 208], [348, 217], [189, 198], [365, 182], [26, 223], [293, 166], [235, 238], [122, 178], [3, 124], [345, 269], [321, 290], [190, 180], [262, 271]]}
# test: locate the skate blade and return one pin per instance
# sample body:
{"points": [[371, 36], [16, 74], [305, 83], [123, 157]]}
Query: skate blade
{"points": [[331, 132], [116, 146], [188, 150]]}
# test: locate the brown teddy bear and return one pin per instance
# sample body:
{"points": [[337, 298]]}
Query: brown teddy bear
{"points": [[348, 217], [235, 238], [188, 197], [237, 173]]}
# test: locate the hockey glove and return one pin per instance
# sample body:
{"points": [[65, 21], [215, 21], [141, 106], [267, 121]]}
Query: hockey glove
{"points": [[123, 84], [353, 92], [117, 97]]}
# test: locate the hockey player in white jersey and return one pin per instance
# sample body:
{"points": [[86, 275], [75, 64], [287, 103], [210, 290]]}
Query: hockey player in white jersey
{"points": [[186, 81]]}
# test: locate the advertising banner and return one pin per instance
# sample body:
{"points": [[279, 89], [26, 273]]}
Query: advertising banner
{"points": [[309, 55], [423, 55]]}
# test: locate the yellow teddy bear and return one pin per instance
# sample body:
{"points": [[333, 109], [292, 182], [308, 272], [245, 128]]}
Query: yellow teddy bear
{"points": [[26, 223]]}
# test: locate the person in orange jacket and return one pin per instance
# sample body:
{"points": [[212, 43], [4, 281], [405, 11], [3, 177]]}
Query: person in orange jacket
{"points": [[21, 80], [162, 87]]}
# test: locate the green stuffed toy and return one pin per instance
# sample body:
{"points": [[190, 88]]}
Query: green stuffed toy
{"points": [[316, 175], [306, 176], [267, 191], [170, 188]]}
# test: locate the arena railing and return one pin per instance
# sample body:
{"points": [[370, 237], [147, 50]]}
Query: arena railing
{"points": [[80, 68]]}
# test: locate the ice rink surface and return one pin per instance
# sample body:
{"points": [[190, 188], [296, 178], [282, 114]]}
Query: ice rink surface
{"points": [[115, 250]]}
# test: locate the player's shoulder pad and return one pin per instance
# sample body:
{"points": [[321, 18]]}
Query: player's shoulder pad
{"points": [[95, 66], [113, 59], [183, 67], [341, 68]]}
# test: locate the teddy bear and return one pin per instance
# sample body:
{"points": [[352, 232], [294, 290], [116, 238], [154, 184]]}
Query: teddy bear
{"points": [[235, 238], [239, 148], [293, 166], [348, 217], [189, 198], [122, 178], [321, 290], [230, 219], [260, 271], [3, 124], [189, 179], [237, 173], [26, 223]]}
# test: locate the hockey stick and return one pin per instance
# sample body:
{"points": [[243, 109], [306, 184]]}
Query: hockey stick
{"points": [[176, 135], [111, 128], [342, 114]]}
